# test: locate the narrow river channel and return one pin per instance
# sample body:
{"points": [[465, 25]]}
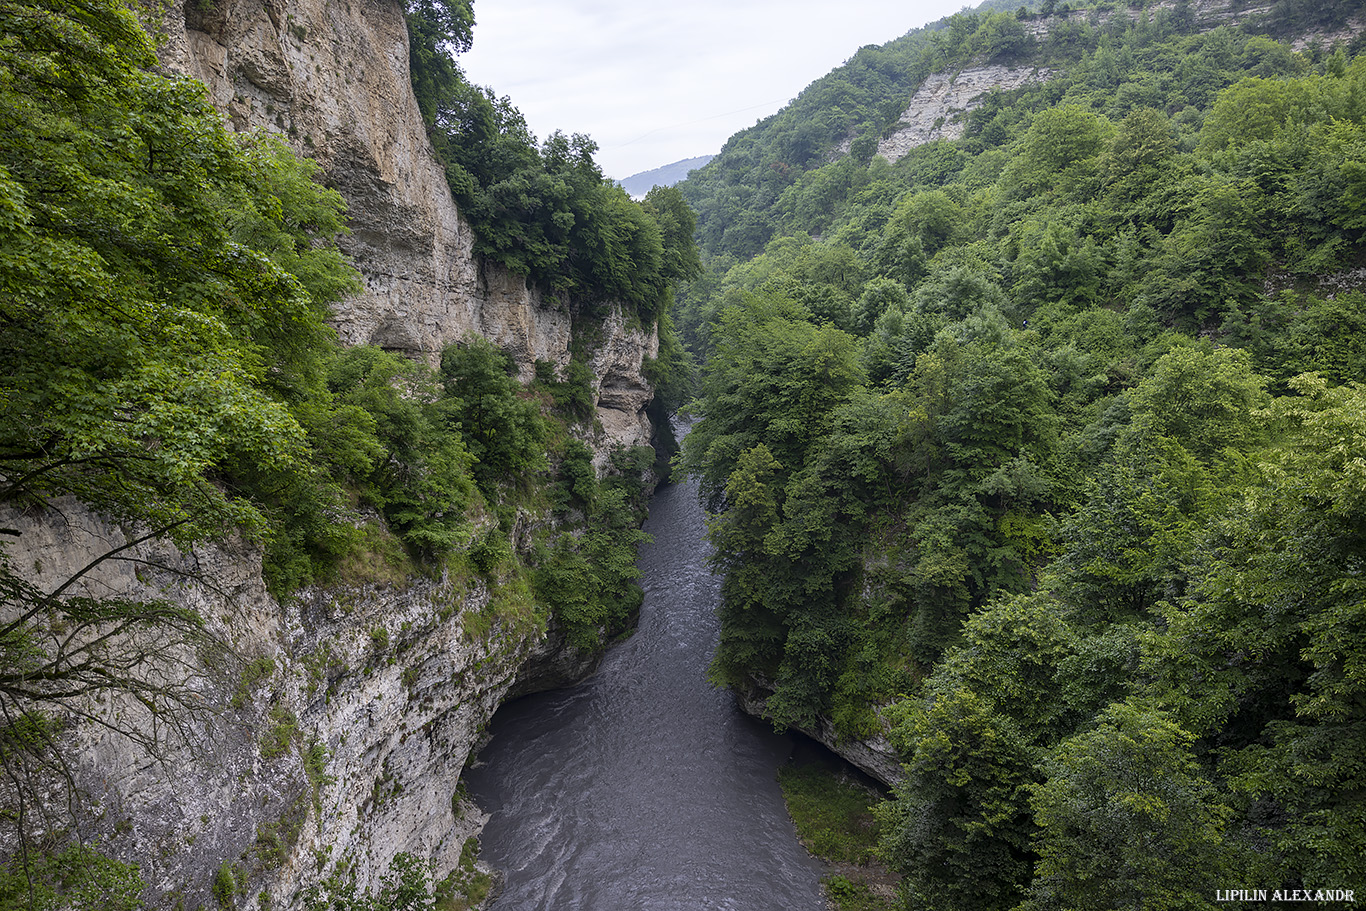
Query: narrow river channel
{"points": [[644, 788]]}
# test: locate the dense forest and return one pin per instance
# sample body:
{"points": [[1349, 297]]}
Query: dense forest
{"points": [[1042, 451], [542, 210], [167, 280]]}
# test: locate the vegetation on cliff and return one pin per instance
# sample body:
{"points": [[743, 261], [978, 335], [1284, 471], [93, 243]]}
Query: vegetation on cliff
{"points": [[542, 210], [165, 358], [793, 171], [164, 285], [1040, 451]]}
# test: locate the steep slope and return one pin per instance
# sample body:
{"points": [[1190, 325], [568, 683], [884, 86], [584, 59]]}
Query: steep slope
{"points": [[1019, 445], [329, 739], [923, 86], [333, 79], [311, 739]]}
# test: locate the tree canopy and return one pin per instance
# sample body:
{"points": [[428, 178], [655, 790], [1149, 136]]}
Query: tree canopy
{"points": [[1033, 451], [543, 210]]}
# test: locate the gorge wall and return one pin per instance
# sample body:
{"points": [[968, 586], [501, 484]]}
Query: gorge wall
{"points": [[319, 737], [332, 77], [323, 736]]}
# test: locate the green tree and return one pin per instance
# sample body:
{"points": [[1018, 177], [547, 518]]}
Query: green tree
{"points": [[482, 399], [960, 829], [130, 313], [1001, 38], [589, 578], [1060, 153], [1208, 400], [1210, 261], [677, 224], [1017, 648], [153, 329], [1138, 156], [162, 291], [77, 877], [419, 472], [1256, 109], [752, 632], [1273, 626], [437, 29], [1127, 819], [921, 225], [1126, 545], [774, 379], [546, 211]]}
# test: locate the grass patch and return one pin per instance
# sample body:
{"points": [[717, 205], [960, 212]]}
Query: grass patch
{"points": [[467, 886], [511, 601], [283, 729], [252, 674], [854, 894], [376, 555], [831, 811], [315, 767]]}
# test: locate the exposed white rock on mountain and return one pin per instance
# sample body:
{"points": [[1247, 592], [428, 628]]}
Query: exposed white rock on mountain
{"points": [[937, 109]]}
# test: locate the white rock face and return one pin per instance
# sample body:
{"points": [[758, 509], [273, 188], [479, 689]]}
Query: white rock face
{"points": [[937, 109], [332, 77], [619, 386], [939, 106], [393, 682]]}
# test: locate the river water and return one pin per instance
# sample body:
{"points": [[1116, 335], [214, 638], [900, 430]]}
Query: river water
{"points": [[644, 788]]}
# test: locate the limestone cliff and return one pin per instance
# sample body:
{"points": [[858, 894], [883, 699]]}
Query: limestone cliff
{"points": [[332, 77], [329, 734], [939, 107], [326, 734]]}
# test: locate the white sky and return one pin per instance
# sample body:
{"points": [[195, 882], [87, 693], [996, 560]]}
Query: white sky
{"points": [[654, 83]]}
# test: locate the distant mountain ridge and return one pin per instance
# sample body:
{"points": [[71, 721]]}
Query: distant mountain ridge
{"points": [[664, 176]]}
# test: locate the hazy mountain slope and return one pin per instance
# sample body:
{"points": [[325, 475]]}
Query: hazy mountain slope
{"points": [[856, 107], [666, 176]]}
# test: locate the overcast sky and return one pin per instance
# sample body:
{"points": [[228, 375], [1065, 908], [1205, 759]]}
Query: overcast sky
{"points": [[654, 83]]}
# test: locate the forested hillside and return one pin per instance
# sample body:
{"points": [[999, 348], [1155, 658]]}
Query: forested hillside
{"points": [[1043, 450]]}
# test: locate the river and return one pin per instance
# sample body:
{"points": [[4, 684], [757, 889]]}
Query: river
{"points": [[645, 788]]}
